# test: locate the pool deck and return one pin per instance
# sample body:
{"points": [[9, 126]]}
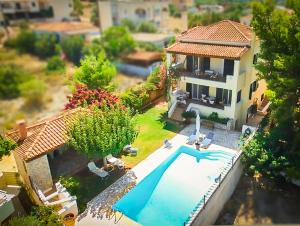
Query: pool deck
{"points": [[95, 215]]}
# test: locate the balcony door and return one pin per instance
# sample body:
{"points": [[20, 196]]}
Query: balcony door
{"points": [[224, 96], [198, 90]]}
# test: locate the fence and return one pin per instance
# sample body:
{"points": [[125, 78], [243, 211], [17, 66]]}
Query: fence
{"points": [[206, 197]]}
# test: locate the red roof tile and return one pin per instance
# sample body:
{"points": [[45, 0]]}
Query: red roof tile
{"points": [[224, 39], [42, 137]]}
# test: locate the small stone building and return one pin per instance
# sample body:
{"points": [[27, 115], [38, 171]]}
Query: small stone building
{"points": [[39, 145]]}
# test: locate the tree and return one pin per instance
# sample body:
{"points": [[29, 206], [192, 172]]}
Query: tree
{"points": [[72, 47], [94, 14], [117, 42], [6, 146], [25, 41], [95, 72], [77, 8], [147, 27], [279, 33], [10, 79], [45, 45], [83, 97], [98, 133]]}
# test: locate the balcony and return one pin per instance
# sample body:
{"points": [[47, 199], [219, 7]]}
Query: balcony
{"points": [[207, 75], [207, 104]]}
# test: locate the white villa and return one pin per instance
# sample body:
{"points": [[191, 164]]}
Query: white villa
{"points": [[216, 73], [156, 11]]}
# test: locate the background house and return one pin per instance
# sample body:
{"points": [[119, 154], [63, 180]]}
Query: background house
{"points": [[113, 12], [55, 10], [215, 66], [63, 29]]}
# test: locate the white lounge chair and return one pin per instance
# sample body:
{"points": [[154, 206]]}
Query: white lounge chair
{"points": [[167, 143], [191, 139], [96, 170], [115, 161], [207, 140], [111, 159]]}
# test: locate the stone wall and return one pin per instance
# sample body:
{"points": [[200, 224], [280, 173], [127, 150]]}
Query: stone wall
{"points": [[39, 171], [215, 204]]}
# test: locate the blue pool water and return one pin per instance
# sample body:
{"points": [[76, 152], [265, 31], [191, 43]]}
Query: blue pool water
{"points": [[171, 191]]}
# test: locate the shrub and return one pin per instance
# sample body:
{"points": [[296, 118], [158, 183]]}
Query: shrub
{"points": [[117, 42], [47, 215], [6, 146], [93, 49], [11, 43], [215, 118], [83, 97], [70, 183], [147, 27], [55, 63], [148, 46], [135, 98], [95, 71], [72, 47], [10, 79], [33, 91], [25, 41], [188, 114], [23, 221], [129, 24], [45, 45]]}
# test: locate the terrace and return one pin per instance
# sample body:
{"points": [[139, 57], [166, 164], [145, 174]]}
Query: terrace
{"points": [[99, 209]]}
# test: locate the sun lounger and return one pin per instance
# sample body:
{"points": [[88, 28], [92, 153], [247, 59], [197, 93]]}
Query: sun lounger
{"points": [[191, 139], [130, 150], [167, 143], [99, 172], [207, 140], [115, 161]]}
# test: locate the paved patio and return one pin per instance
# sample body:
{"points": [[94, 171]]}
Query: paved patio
{"points": [[98, 209]]}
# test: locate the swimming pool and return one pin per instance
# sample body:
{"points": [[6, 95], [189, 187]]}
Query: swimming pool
{"points": [[171, 191]]}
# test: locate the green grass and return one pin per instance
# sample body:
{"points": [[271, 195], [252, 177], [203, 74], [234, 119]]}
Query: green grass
{"points": [[153, 130]]}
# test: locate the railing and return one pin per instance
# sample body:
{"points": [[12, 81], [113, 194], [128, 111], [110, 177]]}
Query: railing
{"points": [[206, 197], [202, 75]]}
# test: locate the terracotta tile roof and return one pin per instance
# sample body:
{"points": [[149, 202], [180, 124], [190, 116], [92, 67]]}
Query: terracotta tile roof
{"points": [[224, 39], [215, 51], [64, 26], [225, 32], [144, 56], [42, 137]]}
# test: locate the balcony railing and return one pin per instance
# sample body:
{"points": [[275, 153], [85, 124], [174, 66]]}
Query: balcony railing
{"points": [[213, 76], [207, 104]]}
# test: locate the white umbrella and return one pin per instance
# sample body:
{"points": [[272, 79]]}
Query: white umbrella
{"points": [[198, 126]]}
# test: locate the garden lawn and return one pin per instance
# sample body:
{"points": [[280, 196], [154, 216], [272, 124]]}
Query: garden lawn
{"points": [[153, 130]]}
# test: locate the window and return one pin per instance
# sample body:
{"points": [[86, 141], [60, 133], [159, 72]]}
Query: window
{"points": [[262, 97], [33, 4], [189, 63], [239, 95], [253, 88], [255, 58], [206, 63], [195, 63], [223, 96]]}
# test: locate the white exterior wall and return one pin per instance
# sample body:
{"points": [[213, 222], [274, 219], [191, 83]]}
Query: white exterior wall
{"points": [[244, 75], [62, 9]]}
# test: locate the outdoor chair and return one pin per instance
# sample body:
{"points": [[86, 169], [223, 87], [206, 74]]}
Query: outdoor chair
{"points": [[192, 138], [167, 143], [115, 161], [96, 170], [128, 149], [207, 140]]}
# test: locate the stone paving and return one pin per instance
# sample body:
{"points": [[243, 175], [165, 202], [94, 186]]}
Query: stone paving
{"points": [[99, 209]]}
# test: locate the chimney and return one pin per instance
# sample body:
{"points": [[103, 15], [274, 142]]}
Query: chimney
{"points": [[22, 129]]}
